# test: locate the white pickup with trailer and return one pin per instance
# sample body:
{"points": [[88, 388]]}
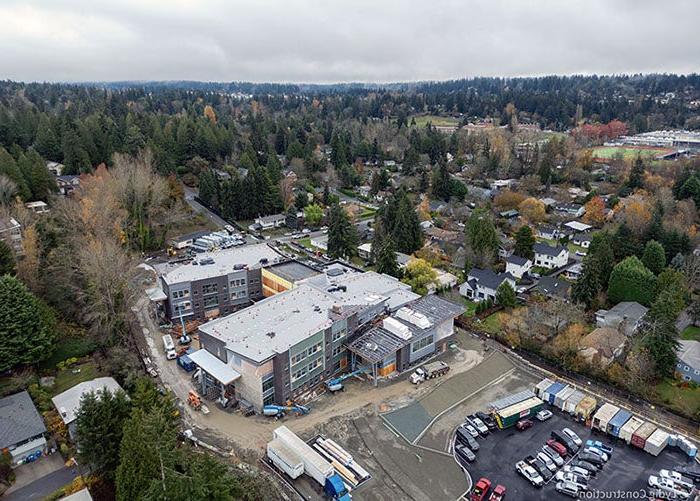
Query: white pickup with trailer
{"points": [[429, 371]]}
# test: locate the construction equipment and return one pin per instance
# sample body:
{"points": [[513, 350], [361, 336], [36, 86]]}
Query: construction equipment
{"points": [[279, 411], [336, 383], [195, 401], [429, 371]]}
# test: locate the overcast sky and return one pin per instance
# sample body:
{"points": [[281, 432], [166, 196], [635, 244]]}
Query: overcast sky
{"points": [[342, 40]]}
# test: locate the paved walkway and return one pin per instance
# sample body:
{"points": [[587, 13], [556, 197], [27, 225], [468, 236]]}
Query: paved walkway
{"points": [[411, 421]]}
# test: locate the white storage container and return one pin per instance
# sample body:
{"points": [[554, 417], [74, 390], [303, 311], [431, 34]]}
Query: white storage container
{"points": [[656, 442], [629, 428]]}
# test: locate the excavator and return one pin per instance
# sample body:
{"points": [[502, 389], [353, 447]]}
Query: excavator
{"points": [[279, 411], [336, 384]]}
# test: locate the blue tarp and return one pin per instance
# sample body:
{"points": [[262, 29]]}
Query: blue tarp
{"points": [[618, 422]]}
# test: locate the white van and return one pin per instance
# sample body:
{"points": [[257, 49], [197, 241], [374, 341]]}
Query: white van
{"points": [[169, 346]]}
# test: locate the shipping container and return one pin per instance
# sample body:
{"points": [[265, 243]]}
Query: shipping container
{"points": [[314, 465], [639, 437], [573, 400], [510, 400], [585, 408], [656, 442], [616, 423], [603, 416], [562, 396], [550, 392], [542, 386], [285, 458], [507, 417], [629, 428]]}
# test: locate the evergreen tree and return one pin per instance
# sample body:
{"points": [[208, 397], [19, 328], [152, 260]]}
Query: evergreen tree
{"points": [[401, 222], [46, 142], [423, 183], [37, 176], [630, 280], [27, 326], [636, 179], [75, 158], [481, 236], [411, 160], [326, 195], [209, 190], [586, 288], [524, 242], [7, 259], [442, 183], [690, 189], [274, 168], [301, 200], [505, 295], [624, 243], [9, 168], [380, 181], [654, 257], [342, 236], [100, 422], [384, 251]]}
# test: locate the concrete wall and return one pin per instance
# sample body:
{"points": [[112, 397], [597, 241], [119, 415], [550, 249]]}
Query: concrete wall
{"points": [[249, 386]]}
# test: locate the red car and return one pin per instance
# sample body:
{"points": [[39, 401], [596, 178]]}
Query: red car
{"points": [[523, 424], [480, 489], [561, 450], [498, 493]]}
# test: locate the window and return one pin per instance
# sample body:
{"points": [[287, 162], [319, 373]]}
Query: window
{"points": [[298, 357], [210, 288], [268, 383], [180, 308], [238, 282], [339, 335], [269, 400], [314, 349], [422, 343], [339, 350], [211, 301], [181, 294]]}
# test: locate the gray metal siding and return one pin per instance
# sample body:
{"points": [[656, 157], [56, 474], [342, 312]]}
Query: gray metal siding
{"points": [[428, 350], [213, 346]]}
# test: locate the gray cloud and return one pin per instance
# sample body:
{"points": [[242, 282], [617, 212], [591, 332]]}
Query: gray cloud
{"points": [[342, 40]]}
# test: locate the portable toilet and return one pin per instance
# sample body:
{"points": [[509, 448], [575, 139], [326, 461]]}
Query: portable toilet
{"points": [[617, 422], [629, 428]]}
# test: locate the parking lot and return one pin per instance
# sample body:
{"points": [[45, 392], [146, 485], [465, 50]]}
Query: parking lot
{"points": [[627, 470]]}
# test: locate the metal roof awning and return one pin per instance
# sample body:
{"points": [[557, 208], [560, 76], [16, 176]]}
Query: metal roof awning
{"points": [[214, 367], [156, 294], [376, 344]]}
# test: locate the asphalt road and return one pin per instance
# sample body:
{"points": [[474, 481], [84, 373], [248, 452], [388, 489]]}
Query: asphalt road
{"points": [[190, 193], [43, 486]]}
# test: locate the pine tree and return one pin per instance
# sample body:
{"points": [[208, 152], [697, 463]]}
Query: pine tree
{"points": [[481, 236], [630, 280], [9, 168], [342, 236], [586, 288], [274, 168], [46, 142], [505, 295], [27, 325], [654, 257], [442, 183], [7, 259], [636, 179], [401, 221], [524, 242]]}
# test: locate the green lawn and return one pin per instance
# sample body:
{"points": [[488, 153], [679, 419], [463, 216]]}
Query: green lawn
{"points": [[306, 242], [471, 308], [67, 378], [691, 333], [492, 323], [576, 248], [684, 400], [628, 152], [366, 213], [421, 120], [77, 347]]}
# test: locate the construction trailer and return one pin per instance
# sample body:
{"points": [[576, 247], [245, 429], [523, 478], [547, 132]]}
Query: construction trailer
{"points": [[603, 416], [562, 396], [542, 386], [550, 393], [617, 422], [629, 428], [572, 401], [656, 442], [585, 408], [507, 417], [639, 437], [510, 400]]}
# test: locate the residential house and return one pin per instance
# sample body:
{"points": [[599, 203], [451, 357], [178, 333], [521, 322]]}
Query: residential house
{"points": [[547, 231], [364, 190], [11, 233], [577, 226], [574, 210], [550, 257], [574, 271], [483, 284], [602, 346], [37, 207], [518, 266], [67, 184], [68, 403], [55, 168], [509, 214], [270, 222], [583, 240], [444, 280], [626, 316], [553, 287], [21, 427], [502, 184], [688, 366], [81, 495]]}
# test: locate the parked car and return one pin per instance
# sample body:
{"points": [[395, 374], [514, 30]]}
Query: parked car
{"points": [[597, 452], [498, 493], [478, 424], [600, 446], [577, 480], [481, 488], [462, 434], [529, 473], [554, 455], [561, 450], [572, 436], [568, 489], [569, 444], [577, 470], [464, 452], [676, 477], [669, 487], [540, 467], [586, 465], [523, 424], [547, 461], [543, 415], [472, 443], [594, 459], [487, 420], [471, 430]]}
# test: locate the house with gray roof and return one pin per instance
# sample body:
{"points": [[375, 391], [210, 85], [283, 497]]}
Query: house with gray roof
{"points": [[549, 257], [68, 403], [518, 266], [688, 365], [482, 285], [550, 286], [627, 316], [21, 427]]}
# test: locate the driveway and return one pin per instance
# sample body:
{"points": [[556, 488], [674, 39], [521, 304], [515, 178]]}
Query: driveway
{"points": [[39, 479]]}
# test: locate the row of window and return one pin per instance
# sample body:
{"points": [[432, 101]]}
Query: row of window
{"points": [[268, 383], [306, 353], [181, 294], [338, 350], [182, 307], [339, 335], [238, 282], [210, 288], [303, 371], [422, 343]]}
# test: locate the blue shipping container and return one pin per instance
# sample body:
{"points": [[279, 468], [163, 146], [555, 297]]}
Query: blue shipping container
{"points": [[552, 391], [617, 422]]}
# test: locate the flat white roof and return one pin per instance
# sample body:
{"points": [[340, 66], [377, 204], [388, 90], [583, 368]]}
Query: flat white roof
{"points": [[213, 366], [68, 402], [224, 262], [577, 226]]}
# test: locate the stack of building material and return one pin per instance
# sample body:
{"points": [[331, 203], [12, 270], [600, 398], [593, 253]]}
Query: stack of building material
{"points": [[656, 442], [603, 416], [639, 437], [617, 422], [344, 464], [629, 428]]}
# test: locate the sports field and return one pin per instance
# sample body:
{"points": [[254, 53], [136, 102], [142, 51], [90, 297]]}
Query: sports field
{"points": [[437, 121], [628, 152]]}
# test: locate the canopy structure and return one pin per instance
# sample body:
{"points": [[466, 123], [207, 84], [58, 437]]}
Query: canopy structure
{"points": [[156, 294], [214, 367]]}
